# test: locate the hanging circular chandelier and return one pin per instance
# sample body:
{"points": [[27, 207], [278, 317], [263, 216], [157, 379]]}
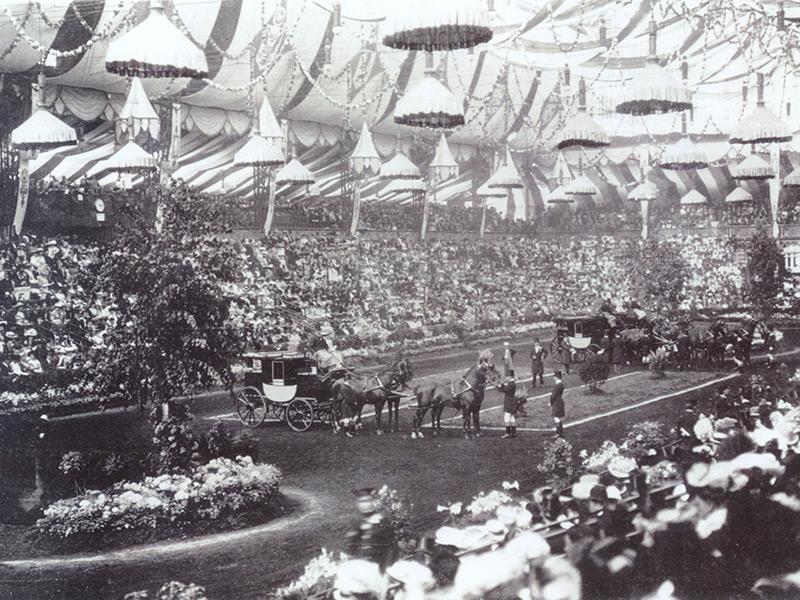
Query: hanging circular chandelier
{"points": [[443, 166], [580, 186], [752, 168], [761, 126], [410, 186], [155, 48], [739, 195], [438, 25], [693, 198], [42, 130], [684, 155], [485, 191], [581, 129], [654, 91], [259, 152], [558, 197], [506, 177], [429, 104], [643, 192], [365, 158], [295, 173], [399, 167]]}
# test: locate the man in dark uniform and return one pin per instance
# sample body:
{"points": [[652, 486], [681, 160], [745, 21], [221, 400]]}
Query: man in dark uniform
{"points": [[374, 539], [538, 354], [509, 389], [557, 403]]}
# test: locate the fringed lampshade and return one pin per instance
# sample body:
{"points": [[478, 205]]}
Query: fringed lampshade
{"points": [[443, 166], [580, 186], [485, 191], [399, 186], [155, 48], [654, 91], [438, 25], [739, 195], [506, 176], [138, 113], [259, 152], [295, 173], [42, 131], [131, 158], [792, 179], [558, 197], [581, 129], [752, 168], [365, 159], [399, 167], [684, 155], [429, 104], [645, 191], [761, 126], [693, 198]]}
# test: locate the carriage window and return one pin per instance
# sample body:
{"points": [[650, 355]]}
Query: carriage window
{"points": [[277, 371], [256, 365], [578, 329]]}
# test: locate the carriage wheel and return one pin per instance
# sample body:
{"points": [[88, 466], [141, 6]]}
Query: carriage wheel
{"points": [[251, 407], [299, 414]]}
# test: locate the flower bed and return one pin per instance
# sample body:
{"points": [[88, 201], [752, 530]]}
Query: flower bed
{"points": [[212, 492]]}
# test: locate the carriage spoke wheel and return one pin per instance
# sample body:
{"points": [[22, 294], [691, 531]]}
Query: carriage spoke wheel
{"points": [[299, 414], [251, 407]]}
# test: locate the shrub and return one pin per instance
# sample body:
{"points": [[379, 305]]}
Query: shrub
{"points": [[657, 362], [220, 489], [645, 439], [558, 464], [98, 468], [594, 372], [219, 441], [244, 444], [176, 446], [174, 590]]}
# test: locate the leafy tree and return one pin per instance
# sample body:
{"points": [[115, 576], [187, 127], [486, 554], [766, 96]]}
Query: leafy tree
{"points": [[170, 292], [658, 275], [766, 273]]}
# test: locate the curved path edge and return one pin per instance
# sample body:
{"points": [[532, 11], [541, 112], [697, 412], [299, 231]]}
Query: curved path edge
{"points": [[309, 506]]}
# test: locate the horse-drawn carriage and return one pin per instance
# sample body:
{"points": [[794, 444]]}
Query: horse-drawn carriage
{"points": [[288, 385], [579, 335]]}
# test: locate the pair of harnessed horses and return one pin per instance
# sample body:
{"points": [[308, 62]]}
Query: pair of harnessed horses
{"points": [[466, 394]]}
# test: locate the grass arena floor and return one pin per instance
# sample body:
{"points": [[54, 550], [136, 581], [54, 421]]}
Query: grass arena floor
{"points": [[426, 472]]}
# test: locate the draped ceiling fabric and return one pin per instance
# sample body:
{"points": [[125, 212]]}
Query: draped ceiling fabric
{"points": [[513, 87]]}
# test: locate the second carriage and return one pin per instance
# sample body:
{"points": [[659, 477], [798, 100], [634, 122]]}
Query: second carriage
{"points": [[287, 385], [579, 335]]}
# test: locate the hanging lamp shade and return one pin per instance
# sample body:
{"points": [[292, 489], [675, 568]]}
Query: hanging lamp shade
{"points": [[580, 186], [155, 48], [429, 104], [693, 197], [41, 131], [506, 176], [739, 195], [485, 191], [412, 186], [138, 112], [792, 179], [684, 155], [268, 125], [558, 197], [752, 168], [761, 126], [294, 172], [646, 190], [259, 152], [365, 159], [443, 166], [438, 25], [130, 158], [581, 129], [654, 90], [399, 167]]}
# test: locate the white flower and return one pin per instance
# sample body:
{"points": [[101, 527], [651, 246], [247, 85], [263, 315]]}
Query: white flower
{"points": [[514, 485], [358, 577]]}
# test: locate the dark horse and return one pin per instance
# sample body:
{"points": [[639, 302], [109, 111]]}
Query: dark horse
{"points": [[465, 393], [352, 393]]}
